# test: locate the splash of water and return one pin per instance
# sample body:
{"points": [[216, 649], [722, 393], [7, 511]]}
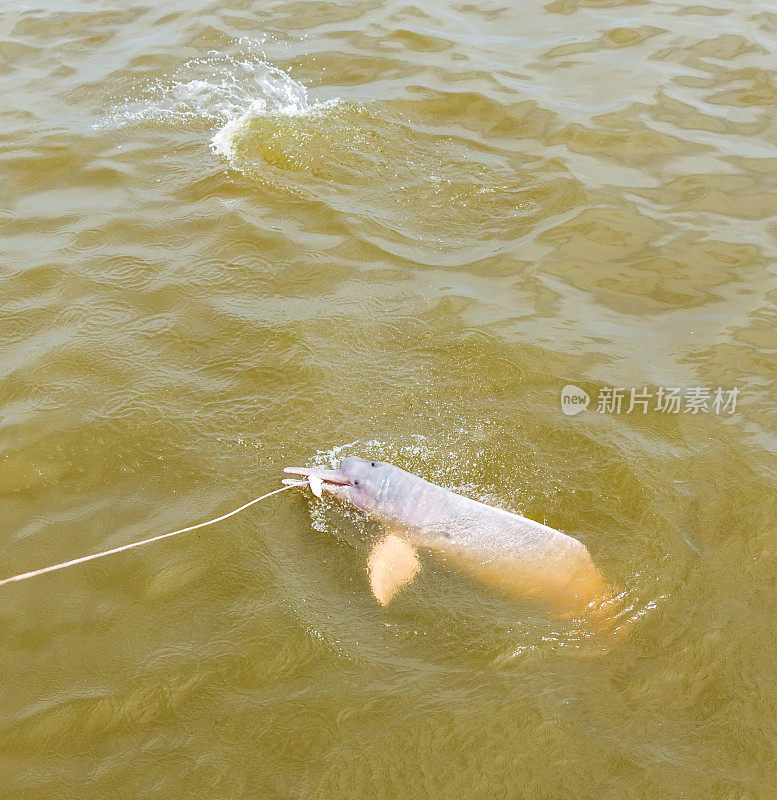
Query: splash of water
{"points": [[221, 91]]}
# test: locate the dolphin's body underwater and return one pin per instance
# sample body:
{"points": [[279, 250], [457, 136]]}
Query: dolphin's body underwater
{"points": [[513, 554]]}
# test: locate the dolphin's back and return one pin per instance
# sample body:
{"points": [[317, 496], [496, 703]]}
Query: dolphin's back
{"points": [[516, 555]]}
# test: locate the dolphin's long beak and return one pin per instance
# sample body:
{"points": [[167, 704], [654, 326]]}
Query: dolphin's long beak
{"points": [[317, 479]]}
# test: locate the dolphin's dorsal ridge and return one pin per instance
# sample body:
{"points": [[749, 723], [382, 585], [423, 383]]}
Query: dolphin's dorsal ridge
{"points": [[393, 563]]}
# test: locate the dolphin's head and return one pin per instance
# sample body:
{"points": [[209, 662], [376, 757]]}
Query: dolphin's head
{"points": [[358, 481]]}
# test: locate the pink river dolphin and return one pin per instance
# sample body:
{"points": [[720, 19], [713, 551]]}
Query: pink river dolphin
{"points": [[510, 553]]}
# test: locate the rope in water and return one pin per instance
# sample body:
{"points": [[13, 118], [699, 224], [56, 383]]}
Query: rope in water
{"points": [[53, 567]]}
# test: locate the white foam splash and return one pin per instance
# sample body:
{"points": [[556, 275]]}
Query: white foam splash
{"points": [[221, 90]]}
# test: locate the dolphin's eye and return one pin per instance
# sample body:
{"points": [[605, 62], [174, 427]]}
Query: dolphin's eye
{"points": [[374, 464], [356, 483]]}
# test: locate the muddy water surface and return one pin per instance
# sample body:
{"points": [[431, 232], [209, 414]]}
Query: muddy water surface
{"points": [[239, 236]]}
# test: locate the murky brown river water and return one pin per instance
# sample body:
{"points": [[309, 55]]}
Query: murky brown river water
{"points": [[239, 235]]}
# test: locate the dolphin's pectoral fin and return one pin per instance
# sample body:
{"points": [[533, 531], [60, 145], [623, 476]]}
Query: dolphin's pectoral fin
{"points": [[392, 564]]}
